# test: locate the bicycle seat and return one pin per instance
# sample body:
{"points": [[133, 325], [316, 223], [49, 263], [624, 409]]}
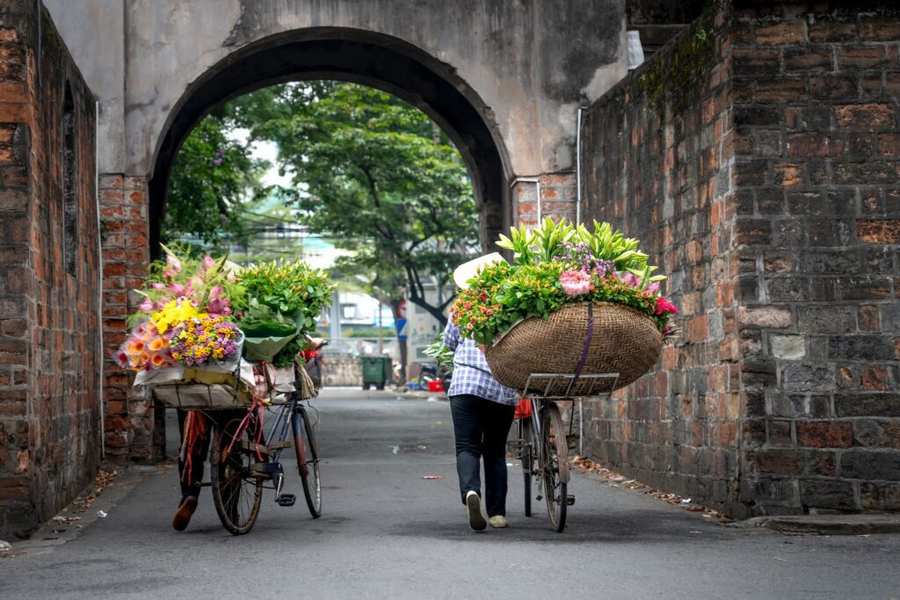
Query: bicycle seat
{"points": [[316, 343]]}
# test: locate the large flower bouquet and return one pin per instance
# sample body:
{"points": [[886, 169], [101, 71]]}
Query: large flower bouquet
{"points": [[186, 315], [193, 311], [557, 266]]}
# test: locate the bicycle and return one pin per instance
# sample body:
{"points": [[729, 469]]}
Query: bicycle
{"points": [[544, 439], [244, 460]]}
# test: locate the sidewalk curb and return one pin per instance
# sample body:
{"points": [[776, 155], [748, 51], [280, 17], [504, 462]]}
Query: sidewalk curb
{"points": [[856, 524], [51, 534]]}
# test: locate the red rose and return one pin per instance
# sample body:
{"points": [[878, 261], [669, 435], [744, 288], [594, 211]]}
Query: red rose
{"points": [[663, 307]]}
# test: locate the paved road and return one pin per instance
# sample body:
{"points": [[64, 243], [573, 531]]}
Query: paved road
{"points": [[389, 533]]}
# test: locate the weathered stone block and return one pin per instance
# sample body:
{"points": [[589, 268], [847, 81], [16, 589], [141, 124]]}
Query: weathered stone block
{"points": [[860, 347], [771, 317], [827, 493], [871, 464], [825, 434], [797, 377], [787, 347]]}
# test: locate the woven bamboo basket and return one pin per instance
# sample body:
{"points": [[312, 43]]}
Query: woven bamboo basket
{"points": [[623, 341]]}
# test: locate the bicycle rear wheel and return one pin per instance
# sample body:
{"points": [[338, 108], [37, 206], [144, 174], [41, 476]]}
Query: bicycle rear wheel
{"points": [[556, 465], [307, 450], [236, 490], [526, 456]]}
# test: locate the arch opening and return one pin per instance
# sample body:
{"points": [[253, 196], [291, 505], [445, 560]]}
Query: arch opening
{"points": [[376, 60]]}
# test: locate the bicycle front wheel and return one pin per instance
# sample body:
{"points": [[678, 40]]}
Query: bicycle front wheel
{"points": [[556, 465], [236, 489], [307, 450]]}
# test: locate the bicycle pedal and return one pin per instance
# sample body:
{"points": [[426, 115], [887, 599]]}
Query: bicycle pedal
{"points": [[286, 500], [570, 500]]}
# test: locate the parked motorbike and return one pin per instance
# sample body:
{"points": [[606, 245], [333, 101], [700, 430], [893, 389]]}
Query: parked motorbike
{"points": [[434, 376], [313, 359]]}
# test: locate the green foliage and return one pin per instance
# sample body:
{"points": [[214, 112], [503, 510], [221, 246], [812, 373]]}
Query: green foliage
{"points": [[611, 245], [289, 288], [374, 173], [441, 354], [553, 239], [213, 181]]}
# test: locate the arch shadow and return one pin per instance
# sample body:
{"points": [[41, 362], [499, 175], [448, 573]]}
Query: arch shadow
{"points": [[359, 56]]}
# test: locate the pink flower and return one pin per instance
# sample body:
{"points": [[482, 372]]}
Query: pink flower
{"points": [[218, 303], [122, 359], [159, 286], [146, 306], [576, 283], [173, 264], [664, 307], [630, 279], [208, 262], [653, 288], [178, 289]]}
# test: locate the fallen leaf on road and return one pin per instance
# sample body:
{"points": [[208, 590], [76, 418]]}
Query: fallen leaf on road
{"points": [[432, 477]]}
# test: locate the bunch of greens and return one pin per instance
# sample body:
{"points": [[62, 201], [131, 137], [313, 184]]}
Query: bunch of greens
{"points": [[290, 288], [557, 264], [441, 354], [283, 300]]}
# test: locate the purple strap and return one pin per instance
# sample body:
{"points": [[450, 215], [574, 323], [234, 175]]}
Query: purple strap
{"points": [[587, 341]]}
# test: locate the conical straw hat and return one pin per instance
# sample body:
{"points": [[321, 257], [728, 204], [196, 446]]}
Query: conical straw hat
{"points": [[468, 270]]}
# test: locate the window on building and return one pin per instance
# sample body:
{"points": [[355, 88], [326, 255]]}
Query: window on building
{"points": [[69, 185], [348, 311]]}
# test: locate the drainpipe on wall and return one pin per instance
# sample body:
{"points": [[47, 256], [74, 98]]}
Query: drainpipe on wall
{"points": [[101, 403], [578, 166], [537, 182]]}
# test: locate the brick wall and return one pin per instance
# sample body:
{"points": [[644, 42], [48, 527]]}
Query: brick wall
{"points": [[49, 397], [558, 196], [762, 171], [817, 110], [123, 213], [658, 163]]}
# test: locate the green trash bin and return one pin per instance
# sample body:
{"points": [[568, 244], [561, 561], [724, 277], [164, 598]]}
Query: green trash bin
{"points": [[376, 370]]}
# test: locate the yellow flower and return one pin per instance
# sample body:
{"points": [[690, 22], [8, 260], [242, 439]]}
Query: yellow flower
{"points": [[175, 313]]}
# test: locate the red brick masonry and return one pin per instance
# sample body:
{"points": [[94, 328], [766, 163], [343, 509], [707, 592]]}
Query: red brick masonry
{"points": [[762, 171]]}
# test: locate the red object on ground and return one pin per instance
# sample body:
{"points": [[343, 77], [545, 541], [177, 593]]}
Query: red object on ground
{"points": [[523, 409], [435, 385]]}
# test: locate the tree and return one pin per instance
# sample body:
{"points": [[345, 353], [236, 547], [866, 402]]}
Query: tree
{"points": [[375, 174], [213, 182]]}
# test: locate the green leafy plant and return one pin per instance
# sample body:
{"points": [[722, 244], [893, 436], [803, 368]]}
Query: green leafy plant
{"points": [[291, 289], [441, 354]]}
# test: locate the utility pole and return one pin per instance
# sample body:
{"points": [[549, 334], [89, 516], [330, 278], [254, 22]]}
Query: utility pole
{"points": [[380, 330], [334, 320]]}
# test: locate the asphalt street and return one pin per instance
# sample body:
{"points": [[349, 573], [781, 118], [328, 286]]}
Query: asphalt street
{"points": [[389, 532]]}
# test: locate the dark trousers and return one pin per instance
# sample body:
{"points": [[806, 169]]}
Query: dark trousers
{"points": [[195, 451], [481, 428]]}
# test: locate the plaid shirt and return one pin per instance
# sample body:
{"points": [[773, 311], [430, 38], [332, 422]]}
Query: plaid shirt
{"points": [[471, 373]]}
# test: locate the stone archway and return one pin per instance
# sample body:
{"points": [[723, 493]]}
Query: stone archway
{"points": [[506, 80], [365, 57], [359, 56]]}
